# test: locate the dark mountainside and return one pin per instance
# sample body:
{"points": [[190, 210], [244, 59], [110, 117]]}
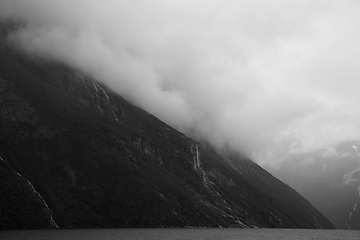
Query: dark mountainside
{"points": [[74, 154]]}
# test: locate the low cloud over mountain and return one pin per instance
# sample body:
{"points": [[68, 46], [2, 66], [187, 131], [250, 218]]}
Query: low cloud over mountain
{"points": [[266, 78]]}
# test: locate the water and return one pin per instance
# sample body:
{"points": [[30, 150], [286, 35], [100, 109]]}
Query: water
{"points": [[178, 234]]}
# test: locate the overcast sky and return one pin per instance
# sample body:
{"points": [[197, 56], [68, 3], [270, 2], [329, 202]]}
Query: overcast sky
{"points": [[269, 78]]}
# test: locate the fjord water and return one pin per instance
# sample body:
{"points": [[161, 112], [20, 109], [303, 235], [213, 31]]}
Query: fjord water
{"points": [[177, 234]]}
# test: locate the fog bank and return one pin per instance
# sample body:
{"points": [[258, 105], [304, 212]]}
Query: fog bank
{"points": [[267, 78]]}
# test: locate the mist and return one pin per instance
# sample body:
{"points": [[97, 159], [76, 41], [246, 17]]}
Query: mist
{"points": [[265, 78]]}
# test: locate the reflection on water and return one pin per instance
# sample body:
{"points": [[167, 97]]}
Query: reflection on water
{"points": [[177, 234]]}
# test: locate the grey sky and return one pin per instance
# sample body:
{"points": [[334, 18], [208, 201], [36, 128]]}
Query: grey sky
{"points": [[269, 78]]}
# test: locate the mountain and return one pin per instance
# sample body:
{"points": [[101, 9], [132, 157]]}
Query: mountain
{"points": [[75, 154], [354, 219], [328, 178]]}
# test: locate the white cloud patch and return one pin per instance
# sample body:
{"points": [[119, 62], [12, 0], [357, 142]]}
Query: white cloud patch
{"points": [[268, 78], [352, 176]]}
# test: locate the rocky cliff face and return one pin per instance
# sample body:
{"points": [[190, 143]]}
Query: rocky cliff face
{"points": [[74, 154], [354, 218]]}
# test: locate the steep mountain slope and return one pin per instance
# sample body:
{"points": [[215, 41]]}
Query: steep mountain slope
{"points": [[74, 154]]}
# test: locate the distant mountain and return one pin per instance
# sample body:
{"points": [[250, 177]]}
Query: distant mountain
{"points": [[75, 154], [329, 179], [354, 218]]}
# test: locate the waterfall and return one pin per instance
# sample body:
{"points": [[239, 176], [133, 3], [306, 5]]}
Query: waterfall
{"points": [[354, 210], [196, 163], [196, 156], [52, 221], [96, 97], [99, 88], [355, 206]]}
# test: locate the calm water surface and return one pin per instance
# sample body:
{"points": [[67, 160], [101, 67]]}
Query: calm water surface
{"points": [[177, 234]]}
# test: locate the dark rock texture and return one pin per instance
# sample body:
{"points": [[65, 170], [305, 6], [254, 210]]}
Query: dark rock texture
{"points": [[74, 154]]}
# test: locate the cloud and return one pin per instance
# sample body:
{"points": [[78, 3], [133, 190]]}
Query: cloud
{"points": [[352, 176], [266, 78]]}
